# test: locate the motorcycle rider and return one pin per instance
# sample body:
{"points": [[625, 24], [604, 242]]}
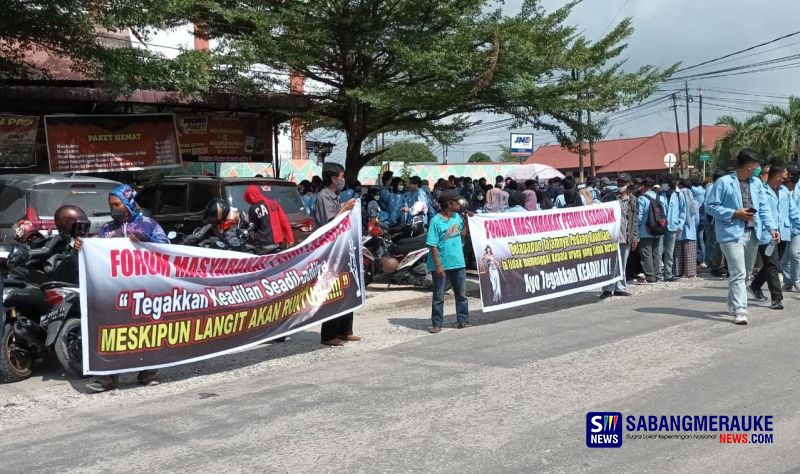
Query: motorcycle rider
{"points": [[128, 221], [218, 218]]}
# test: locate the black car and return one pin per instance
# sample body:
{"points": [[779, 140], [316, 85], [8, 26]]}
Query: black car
{"points": [[178, 203]]}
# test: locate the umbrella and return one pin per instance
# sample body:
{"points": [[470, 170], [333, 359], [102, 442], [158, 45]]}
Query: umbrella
{"points": [[535, 171]]}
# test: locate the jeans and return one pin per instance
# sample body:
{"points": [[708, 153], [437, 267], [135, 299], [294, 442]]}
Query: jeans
{"points": [[701, 245], [741, 257], [651, 261], [621, 285], [669, 254], [770, 270], [458, 278], [790, 263]]}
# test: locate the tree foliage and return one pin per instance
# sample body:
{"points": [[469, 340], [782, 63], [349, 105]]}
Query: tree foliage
{"points": [[92, 37], [416, 66], [506, 156], [479, 157], [773, 133], [409, 152]]}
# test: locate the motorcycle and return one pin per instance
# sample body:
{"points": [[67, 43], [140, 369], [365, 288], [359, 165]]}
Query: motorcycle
{"points": [[401, 262], [39, 317]]}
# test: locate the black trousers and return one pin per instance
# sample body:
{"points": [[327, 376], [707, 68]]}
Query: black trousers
{"points": [[770, 270], [341, 326]]}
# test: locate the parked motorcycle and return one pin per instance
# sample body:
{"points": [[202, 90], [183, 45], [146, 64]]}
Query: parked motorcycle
{"points": [[401, 263], [40, 316]]}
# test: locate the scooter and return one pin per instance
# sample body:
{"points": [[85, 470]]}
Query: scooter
{"points": [[400, 263]]}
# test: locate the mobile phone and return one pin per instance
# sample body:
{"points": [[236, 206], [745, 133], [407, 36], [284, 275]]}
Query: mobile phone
{"points": [[751, 210], [80, 228]]}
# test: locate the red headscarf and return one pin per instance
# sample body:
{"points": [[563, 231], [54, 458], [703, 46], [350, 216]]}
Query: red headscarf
{"points": [[281, 228]]}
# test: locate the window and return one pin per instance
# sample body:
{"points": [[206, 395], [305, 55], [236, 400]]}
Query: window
{"points": [[92, 197], [172, 199], [201, 194], [12, 205], [147, 198]]}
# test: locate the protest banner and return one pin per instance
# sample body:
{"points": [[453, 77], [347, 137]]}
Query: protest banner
{"points": [[94, 143], [525, 257], [146, 306], [18, 141], [216, 138]]}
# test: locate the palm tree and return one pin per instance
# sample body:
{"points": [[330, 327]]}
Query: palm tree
{"points": [[746, 134], [780, 132]]}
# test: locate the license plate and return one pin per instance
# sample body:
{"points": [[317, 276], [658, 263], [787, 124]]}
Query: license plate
{"points": [[55, 314]]}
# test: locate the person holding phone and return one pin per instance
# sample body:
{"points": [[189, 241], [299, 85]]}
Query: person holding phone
{"points": [[742, 220]]}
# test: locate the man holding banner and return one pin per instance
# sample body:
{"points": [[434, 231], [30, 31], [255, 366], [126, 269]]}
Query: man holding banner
{"points": [[336, 331]]}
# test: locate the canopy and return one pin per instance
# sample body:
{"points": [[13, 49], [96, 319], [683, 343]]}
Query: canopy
{"points": [[535, 171]]}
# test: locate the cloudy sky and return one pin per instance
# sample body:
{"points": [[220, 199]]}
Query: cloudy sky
{"points": [[689, 32], [666, 32]]}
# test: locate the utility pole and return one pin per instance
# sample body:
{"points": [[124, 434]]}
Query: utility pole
{"points": [[575, 77], [700, 130], [688, 129], [677, 128], [445, 154], [591, 142]]}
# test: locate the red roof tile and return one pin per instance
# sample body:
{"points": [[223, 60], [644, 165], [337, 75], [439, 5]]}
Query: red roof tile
{"points": [[628, 154]]}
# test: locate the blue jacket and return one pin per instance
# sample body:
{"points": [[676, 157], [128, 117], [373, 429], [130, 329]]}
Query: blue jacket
{"points": [[785, 211], [725, 198], [675, 208], [689, 229], [644, 209], [699, 195]]}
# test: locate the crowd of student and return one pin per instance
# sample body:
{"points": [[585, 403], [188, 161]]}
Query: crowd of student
{"points": [[743, 224]]}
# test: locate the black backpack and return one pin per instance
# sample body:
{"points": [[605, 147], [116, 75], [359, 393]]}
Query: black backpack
{"points": [[656, 218]]}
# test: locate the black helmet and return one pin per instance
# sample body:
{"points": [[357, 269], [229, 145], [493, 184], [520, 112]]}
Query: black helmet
{"points": [[216, 211], [66, 216]]}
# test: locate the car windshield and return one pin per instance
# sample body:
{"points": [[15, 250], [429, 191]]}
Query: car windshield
{"points": [[91, 197], [286, 195]]}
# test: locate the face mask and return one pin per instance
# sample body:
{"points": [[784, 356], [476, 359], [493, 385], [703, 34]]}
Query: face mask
{"points": [[400, 187], [340, 185], [757, 171], [119, 215], [665, 187]]}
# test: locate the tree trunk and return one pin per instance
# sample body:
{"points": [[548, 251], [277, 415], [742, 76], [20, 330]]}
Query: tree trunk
{"points": [[355, 129]]}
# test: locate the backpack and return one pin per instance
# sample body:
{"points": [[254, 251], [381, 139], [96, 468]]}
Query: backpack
{"points": [[656, 218]]}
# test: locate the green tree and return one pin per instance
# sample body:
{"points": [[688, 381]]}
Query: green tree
{"points": [[780, 129], [94, 37], [417, 66], [479, 157], [742, 134], [409, 152], [506, 156]]}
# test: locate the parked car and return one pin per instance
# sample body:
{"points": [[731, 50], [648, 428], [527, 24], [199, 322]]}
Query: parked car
{"points": [[177, 203], [28, 202]]}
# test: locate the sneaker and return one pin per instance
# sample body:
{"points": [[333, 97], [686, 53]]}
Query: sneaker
{"points": [[672, 279], [716, 273], [605, 294], [756, 293], [652, 280], [97, 386], [435, 330], [622, 293], [703, 265], [740, 319], [776, 304], [463, 325]]}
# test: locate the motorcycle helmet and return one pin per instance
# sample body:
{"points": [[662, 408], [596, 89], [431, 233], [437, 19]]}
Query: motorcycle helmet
{"points": [[389, 264], [216, 211], [66, 216]]}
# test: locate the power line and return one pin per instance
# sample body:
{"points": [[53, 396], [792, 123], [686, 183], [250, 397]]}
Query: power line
{"points": [[775, 40]]}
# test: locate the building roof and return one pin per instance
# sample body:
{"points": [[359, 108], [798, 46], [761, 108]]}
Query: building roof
{"points": [[628, 155]]}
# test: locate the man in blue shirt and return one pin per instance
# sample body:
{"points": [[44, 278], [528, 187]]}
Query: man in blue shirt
{"points": [[675, 209], [648, 243], [446, 260], [742, 220]]}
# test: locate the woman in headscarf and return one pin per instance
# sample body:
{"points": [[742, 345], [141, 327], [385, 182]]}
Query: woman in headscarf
{"points": [[570, 198], [515, 202]]}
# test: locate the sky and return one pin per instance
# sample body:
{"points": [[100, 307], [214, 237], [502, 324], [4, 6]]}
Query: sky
{"points": [[666, 32]]}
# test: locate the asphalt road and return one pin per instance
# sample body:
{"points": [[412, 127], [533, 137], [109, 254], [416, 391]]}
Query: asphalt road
{"points": [[507, 395]]}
